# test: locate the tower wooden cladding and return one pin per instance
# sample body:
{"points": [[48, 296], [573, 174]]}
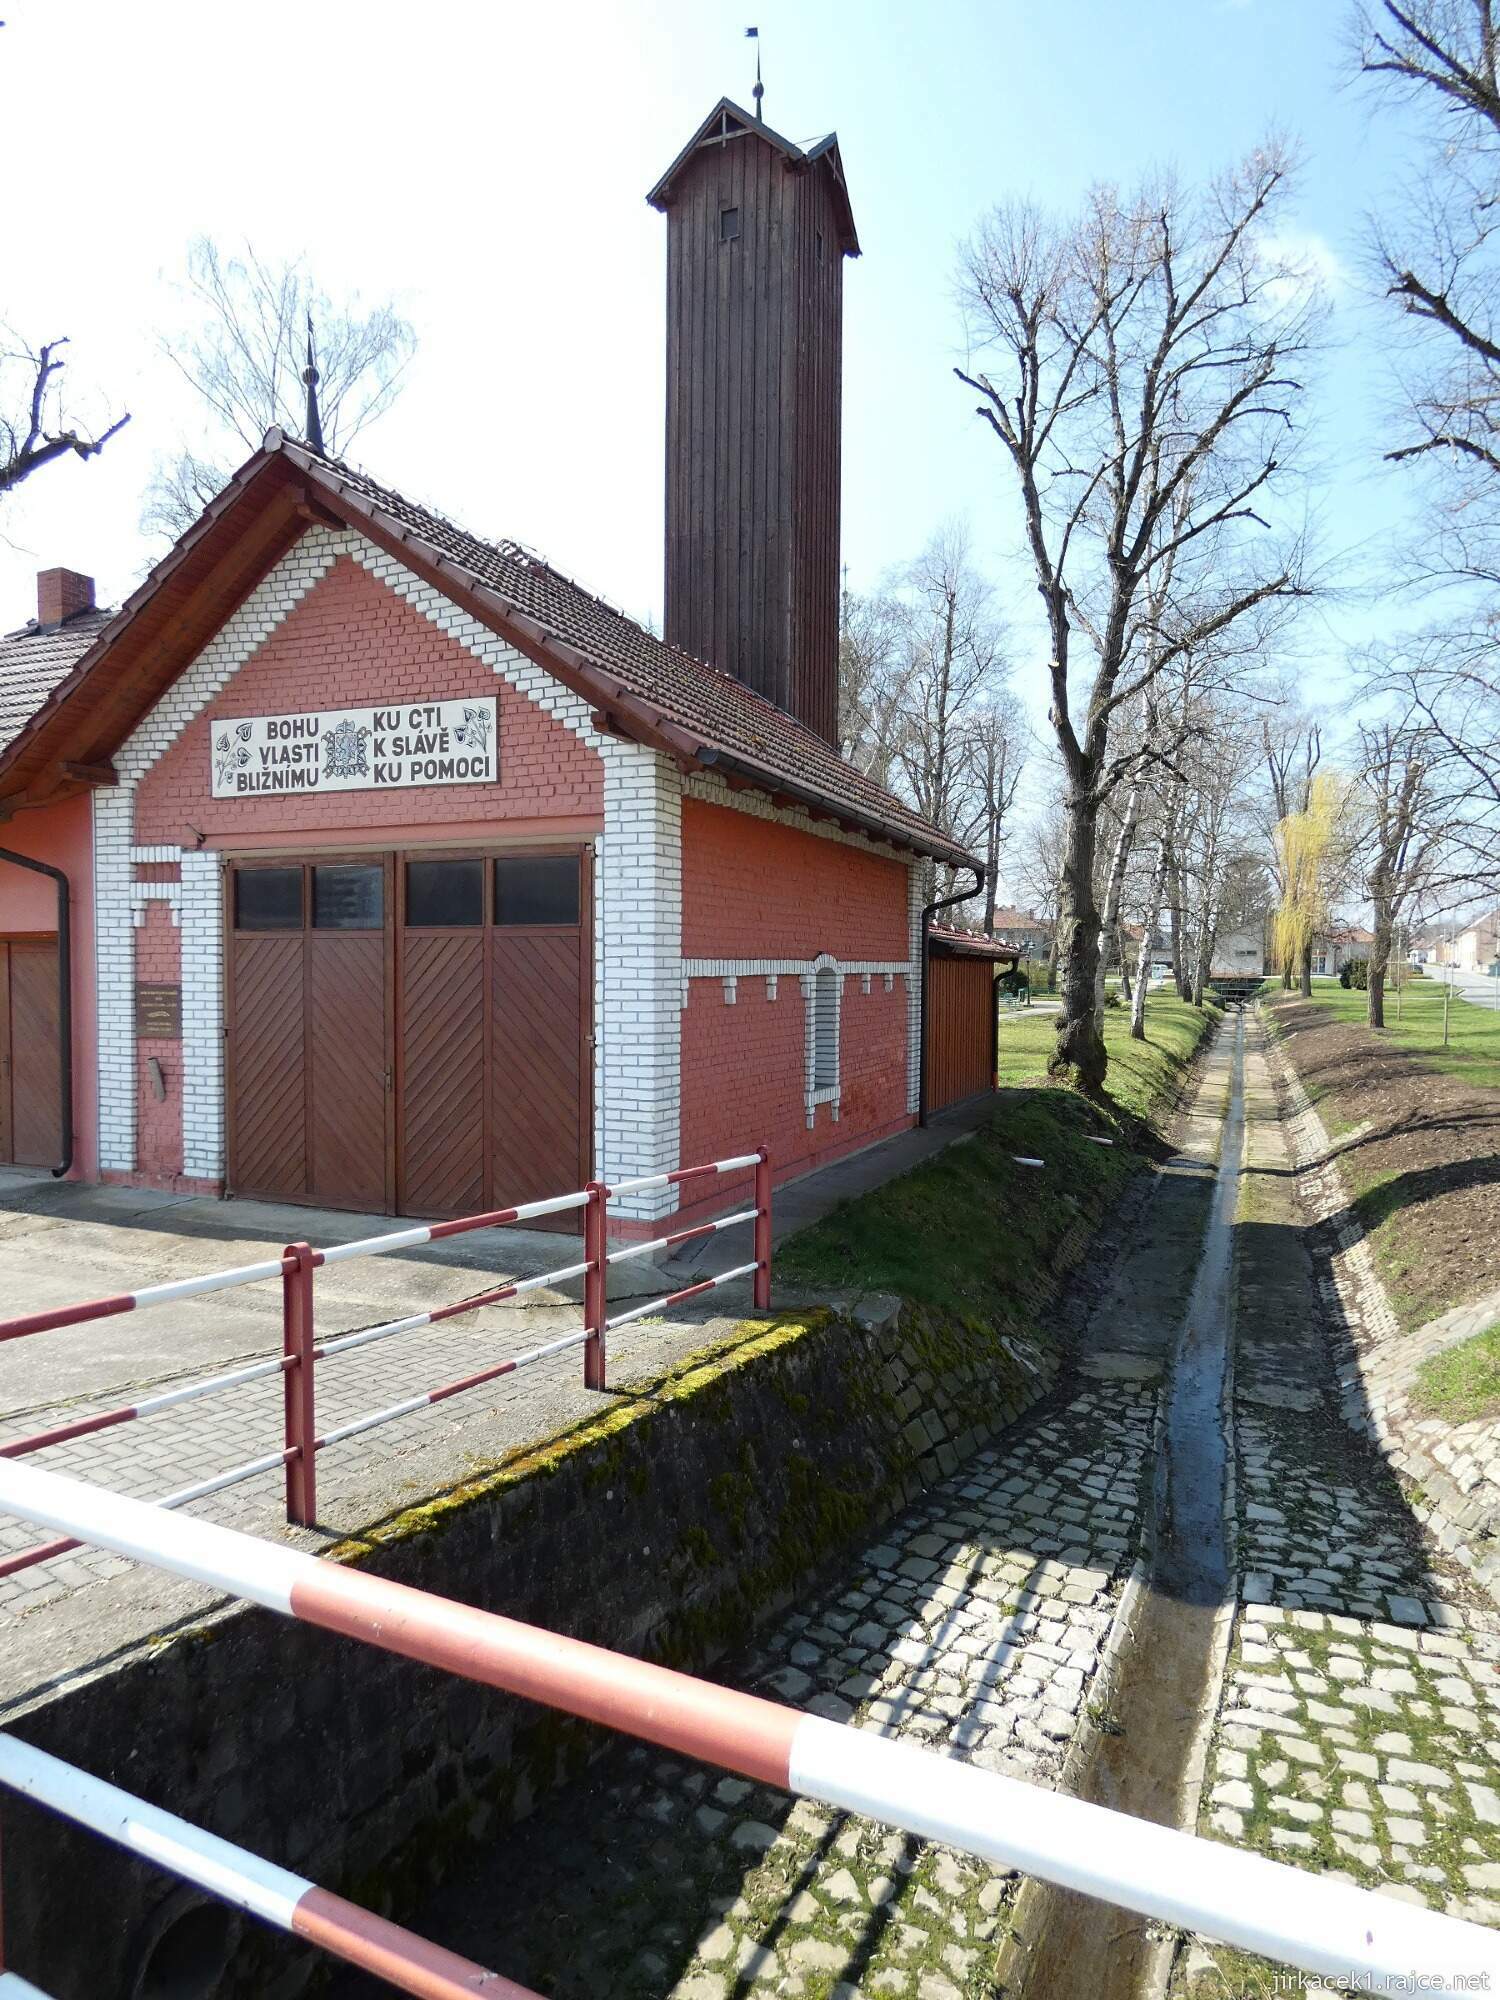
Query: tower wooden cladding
{"points": [[757, 233]]}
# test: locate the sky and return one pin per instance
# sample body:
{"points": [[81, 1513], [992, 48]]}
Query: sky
{"points": [[485, 167]]}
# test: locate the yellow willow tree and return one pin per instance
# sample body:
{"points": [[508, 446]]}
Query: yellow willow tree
{"points": [[1308, 845]]}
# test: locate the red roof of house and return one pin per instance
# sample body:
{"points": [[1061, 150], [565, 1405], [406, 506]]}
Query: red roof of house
{"points": [[643, 688], [38, 659], [970, 944]]}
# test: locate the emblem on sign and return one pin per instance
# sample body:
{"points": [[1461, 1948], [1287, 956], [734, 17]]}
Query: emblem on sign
{"points": [[357, 749], [344, 751]]}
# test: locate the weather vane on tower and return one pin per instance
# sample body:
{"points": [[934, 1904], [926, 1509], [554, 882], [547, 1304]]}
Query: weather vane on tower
{"points": [[753, 35]]}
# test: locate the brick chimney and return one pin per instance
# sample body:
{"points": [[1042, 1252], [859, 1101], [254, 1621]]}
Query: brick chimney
{"points": [[61, 593]]}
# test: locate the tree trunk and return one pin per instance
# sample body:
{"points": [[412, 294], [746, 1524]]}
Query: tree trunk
{"points": [[1079, 1056], [1126, 985], [1307, 970], [1110, 915], [1172, 880], [1148, 932], [1380, 959], [1206, 939]]}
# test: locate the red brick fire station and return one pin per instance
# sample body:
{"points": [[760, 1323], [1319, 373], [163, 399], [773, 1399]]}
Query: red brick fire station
{"points": [[382, 867]]}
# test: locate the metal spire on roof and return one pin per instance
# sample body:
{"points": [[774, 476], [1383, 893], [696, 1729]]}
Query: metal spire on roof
{"points": [[310, 377], [753, 35]]}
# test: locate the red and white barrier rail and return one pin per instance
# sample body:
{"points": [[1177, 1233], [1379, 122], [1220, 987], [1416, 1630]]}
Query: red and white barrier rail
{"points": [[149, 1295], [301, 1350], [286, 1901], [1321, 1926]]}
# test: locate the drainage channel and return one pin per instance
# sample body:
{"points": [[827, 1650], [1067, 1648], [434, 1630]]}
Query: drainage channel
{"points": [[1150, 1735]]}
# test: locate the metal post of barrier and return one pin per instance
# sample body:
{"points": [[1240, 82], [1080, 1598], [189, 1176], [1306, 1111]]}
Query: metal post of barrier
{"points": [[595, 1286], [762, 1229], [301, 1420]]}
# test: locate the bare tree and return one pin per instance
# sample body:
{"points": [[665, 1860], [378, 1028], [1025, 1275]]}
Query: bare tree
{"points": [[33, 429], [1446, 682], [1148, 351], [992, 759], [1394, 775], [1439, 256], [951, 656], [244, 353], [870, 683]]}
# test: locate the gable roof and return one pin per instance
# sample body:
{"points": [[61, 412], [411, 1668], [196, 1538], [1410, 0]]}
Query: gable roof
{"points": [[642, 688], [37, 659], [728, 121]]}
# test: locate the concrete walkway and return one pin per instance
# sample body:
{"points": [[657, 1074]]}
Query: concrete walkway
{"points": [[64, 1242]]}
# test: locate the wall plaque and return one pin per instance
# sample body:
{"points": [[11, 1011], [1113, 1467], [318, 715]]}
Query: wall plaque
{"points": [[357, 749], [158, 1011]]}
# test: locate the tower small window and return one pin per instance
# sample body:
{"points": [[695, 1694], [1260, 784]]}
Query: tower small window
{"points": [[820, 246], [729, 224]]}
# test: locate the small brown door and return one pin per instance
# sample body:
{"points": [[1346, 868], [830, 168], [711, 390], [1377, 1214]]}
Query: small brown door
{"points": [[309, 1032], [960, 1029], [30, 1053]]}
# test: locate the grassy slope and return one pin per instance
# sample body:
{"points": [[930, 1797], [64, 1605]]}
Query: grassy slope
{"points": [[1463, 1382], [1473, 1051], [971, 1231], [1420, 1285]]}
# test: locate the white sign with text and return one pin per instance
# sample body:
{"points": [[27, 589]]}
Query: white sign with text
{"points": [[357, 749]]}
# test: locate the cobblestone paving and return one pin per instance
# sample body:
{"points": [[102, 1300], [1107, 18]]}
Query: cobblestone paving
{"points": [[974, 1625], [1359, 1728]]}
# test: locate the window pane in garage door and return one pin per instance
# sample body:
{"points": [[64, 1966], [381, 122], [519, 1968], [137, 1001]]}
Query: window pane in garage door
{"points": [[444, 894], [536, 889], [349, 898], [268, 899]]}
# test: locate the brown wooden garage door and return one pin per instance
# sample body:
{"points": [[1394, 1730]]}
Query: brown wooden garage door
{"points": [[960, 1024], [30, 1053], [410, 1032]]}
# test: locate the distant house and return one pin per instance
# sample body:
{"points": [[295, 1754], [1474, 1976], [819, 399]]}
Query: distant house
{"points": [[1476, 948], [1026, 930], [1333, 949], [1239, 954]]}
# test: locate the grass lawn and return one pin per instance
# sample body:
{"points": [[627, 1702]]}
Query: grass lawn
{"points": [[973, 1232], [1473, 1051], [1143, 1076], [1462, 1383]]}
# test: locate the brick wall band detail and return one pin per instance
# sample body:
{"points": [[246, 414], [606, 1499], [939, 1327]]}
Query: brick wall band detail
{"points": [[807, 905]]}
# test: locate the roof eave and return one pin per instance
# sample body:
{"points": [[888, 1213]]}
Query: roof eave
{"points": [[133, 605]]}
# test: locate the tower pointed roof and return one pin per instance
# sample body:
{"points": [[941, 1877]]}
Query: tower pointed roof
{"points": [[730, 124]]}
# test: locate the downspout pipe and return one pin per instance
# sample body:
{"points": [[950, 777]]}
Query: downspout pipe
{"points": [[64, 997], [931, 910]]}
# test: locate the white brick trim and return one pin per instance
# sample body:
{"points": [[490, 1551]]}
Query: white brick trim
{"points": [[914, 907], [638, 977], [763, 968], [142, 893], [202, 1015]]}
